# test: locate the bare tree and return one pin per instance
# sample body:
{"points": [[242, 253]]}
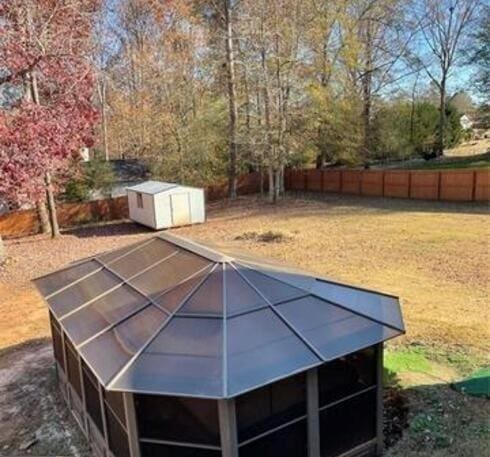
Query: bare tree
{"points": [[228, 6], [445, 30]]}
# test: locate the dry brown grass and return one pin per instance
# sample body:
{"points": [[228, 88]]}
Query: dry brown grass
{"points": [[435, 256]]}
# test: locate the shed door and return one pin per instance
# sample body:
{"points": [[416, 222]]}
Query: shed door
{"points": [[181, 214]]}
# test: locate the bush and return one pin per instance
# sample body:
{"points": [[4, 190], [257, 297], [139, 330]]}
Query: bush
{"points": [[96, 175]]}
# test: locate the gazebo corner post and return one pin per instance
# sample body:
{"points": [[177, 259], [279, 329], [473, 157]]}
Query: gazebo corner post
{"points": [[131, 424], [379, 401], [313, 414], [228, 427]]}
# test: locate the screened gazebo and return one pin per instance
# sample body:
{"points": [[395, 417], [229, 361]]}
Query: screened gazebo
{"points": [[171, 348]]}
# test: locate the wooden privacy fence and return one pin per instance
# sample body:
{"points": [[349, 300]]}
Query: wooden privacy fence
{"points": [[444, 185], [26, 222]]}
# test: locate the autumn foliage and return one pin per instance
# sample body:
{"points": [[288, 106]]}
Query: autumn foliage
{"points": [[49, 115]]}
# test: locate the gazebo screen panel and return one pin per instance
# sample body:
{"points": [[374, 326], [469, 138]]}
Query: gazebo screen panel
{"points": [[290, 441], [347, 375], [159, 450], [271, 406], [115, 401], [92, 399], [57, 341], [118, 438], [72, 369], [188, 420], [348, 424]]}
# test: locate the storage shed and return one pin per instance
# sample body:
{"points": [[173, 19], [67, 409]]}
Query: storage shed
{"points": [[170, 348], [161, 205]]}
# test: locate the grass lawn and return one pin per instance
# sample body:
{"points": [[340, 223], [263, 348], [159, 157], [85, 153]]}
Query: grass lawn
{"points": [[434, 255], [480, 161]]}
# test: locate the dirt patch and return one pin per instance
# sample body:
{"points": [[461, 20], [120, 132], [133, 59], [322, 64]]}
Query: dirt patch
{"points": [[270, 236], [34, 419]]}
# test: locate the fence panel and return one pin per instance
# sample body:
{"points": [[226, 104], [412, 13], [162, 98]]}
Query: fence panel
{"points": [[332, 180], [314, 180], [397, 184], [351, 182], [482, 186], [424, 185], [297, 180], [457, 185], [19, 223], [372, 183]]}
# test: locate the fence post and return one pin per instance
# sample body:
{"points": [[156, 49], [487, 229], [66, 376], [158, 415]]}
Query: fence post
{"points": [[322, 185], [409, 184], [439, 183], [305, 180], [383, 183], [473, 189], [341, 186]]}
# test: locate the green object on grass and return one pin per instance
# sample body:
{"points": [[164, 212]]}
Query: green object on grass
{"points": [[407, 360], [477, 385]]}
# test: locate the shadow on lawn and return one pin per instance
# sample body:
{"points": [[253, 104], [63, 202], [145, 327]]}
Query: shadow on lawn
{"points": [[111, 229], [433, 420], [353, 203]]}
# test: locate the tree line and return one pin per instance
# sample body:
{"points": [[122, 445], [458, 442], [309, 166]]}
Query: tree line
{"points": [[208, 89]]}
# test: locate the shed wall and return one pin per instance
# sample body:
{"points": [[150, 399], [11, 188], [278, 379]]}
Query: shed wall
{"points": [[145, 215]]}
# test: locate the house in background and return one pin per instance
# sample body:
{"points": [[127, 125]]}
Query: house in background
{"points": [[127, 173], [466, 121]]}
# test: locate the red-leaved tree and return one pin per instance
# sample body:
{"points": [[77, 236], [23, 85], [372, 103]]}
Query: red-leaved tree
{"points": [[46, 115]]}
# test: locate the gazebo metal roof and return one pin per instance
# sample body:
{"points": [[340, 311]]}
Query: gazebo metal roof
{"points": [[173, 317]]}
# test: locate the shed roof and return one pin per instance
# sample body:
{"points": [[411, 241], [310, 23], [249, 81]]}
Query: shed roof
{"points": [[153, 187], [171, 316]]}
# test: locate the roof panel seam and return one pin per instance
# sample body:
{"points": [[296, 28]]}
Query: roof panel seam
{"points": [[358, 313], [90, 259], [225, 337], [157, 332], [307, 343], [328, 301], [135, 288], [315, 277]]}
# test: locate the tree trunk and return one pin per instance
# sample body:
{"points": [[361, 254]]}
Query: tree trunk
{"points": [[261, 170], [53, 218], [282, 188], [277, 185], [366, 82], [270, 171], [231, 83], [442, 119], [101, 86], [43, 216]]}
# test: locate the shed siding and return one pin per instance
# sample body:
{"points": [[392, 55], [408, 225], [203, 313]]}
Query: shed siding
{"points": [[143, 215]]}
